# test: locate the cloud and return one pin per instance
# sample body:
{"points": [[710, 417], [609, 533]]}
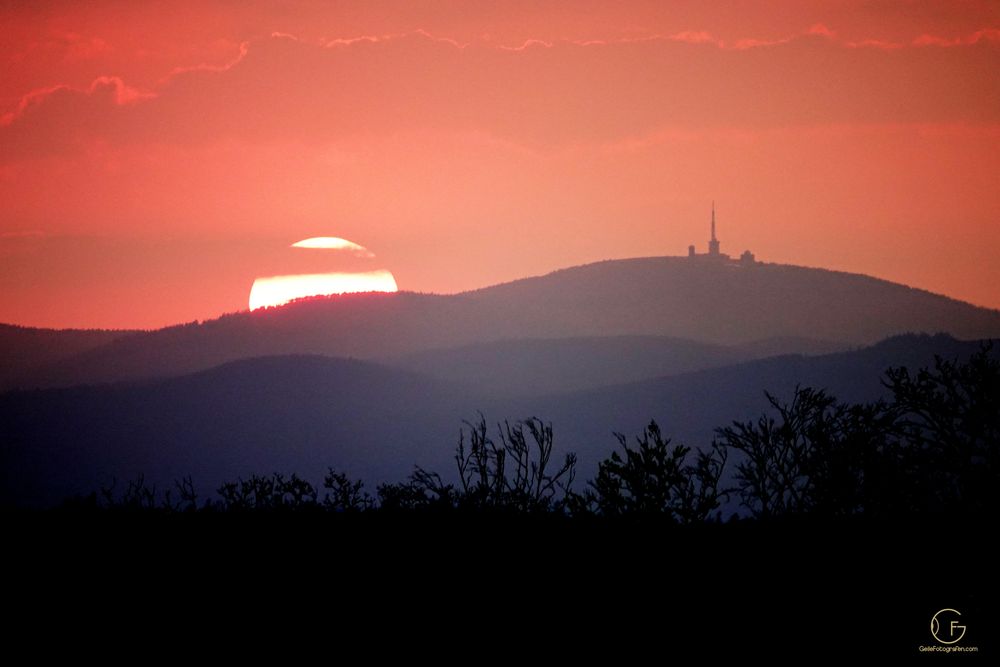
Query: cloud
{"points": [[695, 37], [528, 43], [742, 44], [105, 86], [985, 35], [206, 67], [63, 119], [885, 45], [334, 243], [539, 94]]}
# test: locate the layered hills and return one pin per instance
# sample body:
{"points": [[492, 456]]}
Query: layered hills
{"points": [[713, 303]]}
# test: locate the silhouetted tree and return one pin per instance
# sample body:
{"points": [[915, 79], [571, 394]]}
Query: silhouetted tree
{"points": [[854, 465], [186, 499], [949, 417], [655, 478], [775, 475], [700, 494], [136, 495], [345, 494], [275, 492], [512, 473], [421, 492], [933, 447]]}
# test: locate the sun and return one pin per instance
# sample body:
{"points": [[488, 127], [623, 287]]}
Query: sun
{"points": [[277, 290]]}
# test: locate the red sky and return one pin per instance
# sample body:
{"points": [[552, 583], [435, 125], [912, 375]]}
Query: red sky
{"points": [[156, 157]]}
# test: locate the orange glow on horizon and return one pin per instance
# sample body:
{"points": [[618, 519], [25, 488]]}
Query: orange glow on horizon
{"points": [[154, 163], [278, 290]]}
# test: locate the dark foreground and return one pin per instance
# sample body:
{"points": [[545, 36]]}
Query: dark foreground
{"points": [[788, 591]]}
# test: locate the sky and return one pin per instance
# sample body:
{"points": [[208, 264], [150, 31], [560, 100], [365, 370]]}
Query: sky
{"points": [[157, 157]]}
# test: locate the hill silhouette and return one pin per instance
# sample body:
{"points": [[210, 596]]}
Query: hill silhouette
{"points": [[292, 412], [25, 348], [690, 406], [304, 413], [551, 365], [709, 302]]}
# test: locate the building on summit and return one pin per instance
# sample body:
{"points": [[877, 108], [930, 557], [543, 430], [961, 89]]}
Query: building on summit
{"points": [[714, 252]]}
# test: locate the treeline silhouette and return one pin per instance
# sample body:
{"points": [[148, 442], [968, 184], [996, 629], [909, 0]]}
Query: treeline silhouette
{"points": [[930, 448]]}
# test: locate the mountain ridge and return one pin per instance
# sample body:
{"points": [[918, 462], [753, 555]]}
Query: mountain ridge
{"points": [[722, 303], [302, 413], [539, 366]]}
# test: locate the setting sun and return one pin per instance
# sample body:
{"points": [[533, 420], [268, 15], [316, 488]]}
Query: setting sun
{"points": [[770, 226], [346, 277], [277, 290], [334, 243]]}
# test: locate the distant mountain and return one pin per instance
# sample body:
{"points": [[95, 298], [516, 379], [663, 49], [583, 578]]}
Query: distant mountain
{"points": [[718, 303], [25, 348], [772, 347], [303, 413], [294, 413], [551, 365], [728, 302], [689, 407]]}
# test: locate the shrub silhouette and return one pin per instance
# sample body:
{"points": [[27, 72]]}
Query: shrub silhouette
{"points": [[274, 492], [932, 447], [949, 420], [136, 495], [187, 496], [657, 479], [854, 466], [775, 475], [345, 494], [423, 491], [817, 456], [512, 473]]}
